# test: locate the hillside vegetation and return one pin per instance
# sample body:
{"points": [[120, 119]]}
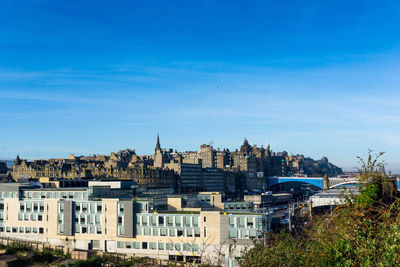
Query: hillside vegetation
{"points": [[363, 232]]}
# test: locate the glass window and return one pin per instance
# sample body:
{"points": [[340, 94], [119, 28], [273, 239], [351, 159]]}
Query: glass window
{"points": [[144, 220], [233, 233], [189, 232], [161, 220], [197, 232], [144, 245], [195, 221], [180, 232], [178, 220], [120, 244], [136, 245], [128, 245], [146, 231], [155, 231], [186, 247], [170, 246], [172, 232], [160, 246], [163, 232], [231, 221], [186, 221], [241, 222], [153, 245], [154, 221], [170, 220]]}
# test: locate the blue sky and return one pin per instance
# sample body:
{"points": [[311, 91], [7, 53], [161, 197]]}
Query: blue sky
{"points": [[319, 78]]}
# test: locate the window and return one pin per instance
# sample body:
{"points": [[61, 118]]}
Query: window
{"points": [[197, 232], [180, 232], [83, 220], [195, 221], [155, 231], [161, 221], [154, 221], [22, 207], [121, 208], [41, 230], [136, 245], [144, 220], [233, 233], [40, 217], [178, 220], [120, 244], [153, 245], [186, 247], [77, 229], [241, 222], [98, 208], [27, 229], [84, 230], [205, 231], [172, 232], [61, 207], [128, 245], [144, 245], [98, 229], [21, 229], [250, 222], [170, 246], [232, 221], [189, 232], [41, 207], [146, 231], [78, 207], [205, 219], [119, 220], [186, 221], [35, 207], [160, 246], [170, 220], [163, 232]]}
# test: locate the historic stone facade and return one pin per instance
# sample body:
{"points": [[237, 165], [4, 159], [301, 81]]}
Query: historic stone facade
{"points": [[121, 165]]}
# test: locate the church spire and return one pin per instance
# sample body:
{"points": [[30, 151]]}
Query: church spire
{"points": [[158, 147]]}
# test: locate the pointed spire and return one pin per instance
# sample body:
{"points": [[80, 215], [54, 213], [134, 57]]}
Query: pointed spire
{"points": [[17, 160], [158, 146]]}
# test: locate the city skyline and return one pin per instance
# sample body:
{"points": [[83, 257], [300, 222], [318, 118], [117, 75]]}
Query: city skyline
{"points": [[319, 79]]}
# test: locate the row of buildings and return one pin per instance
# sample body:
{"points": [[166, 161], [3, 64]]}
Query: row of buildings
{"points": [[209, 169], [110, 216]]}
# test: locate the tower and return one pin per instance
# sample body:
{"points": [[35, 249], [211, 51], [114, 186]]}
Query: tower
{"points": [[158, 154]]}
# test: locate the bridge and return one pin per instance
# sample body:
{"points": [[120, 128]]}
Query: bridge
{"points": [[334, 182]]}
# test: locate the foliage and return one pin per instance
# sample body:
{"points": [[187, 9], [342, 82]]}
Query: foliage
{"points": [[363, 232]]}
